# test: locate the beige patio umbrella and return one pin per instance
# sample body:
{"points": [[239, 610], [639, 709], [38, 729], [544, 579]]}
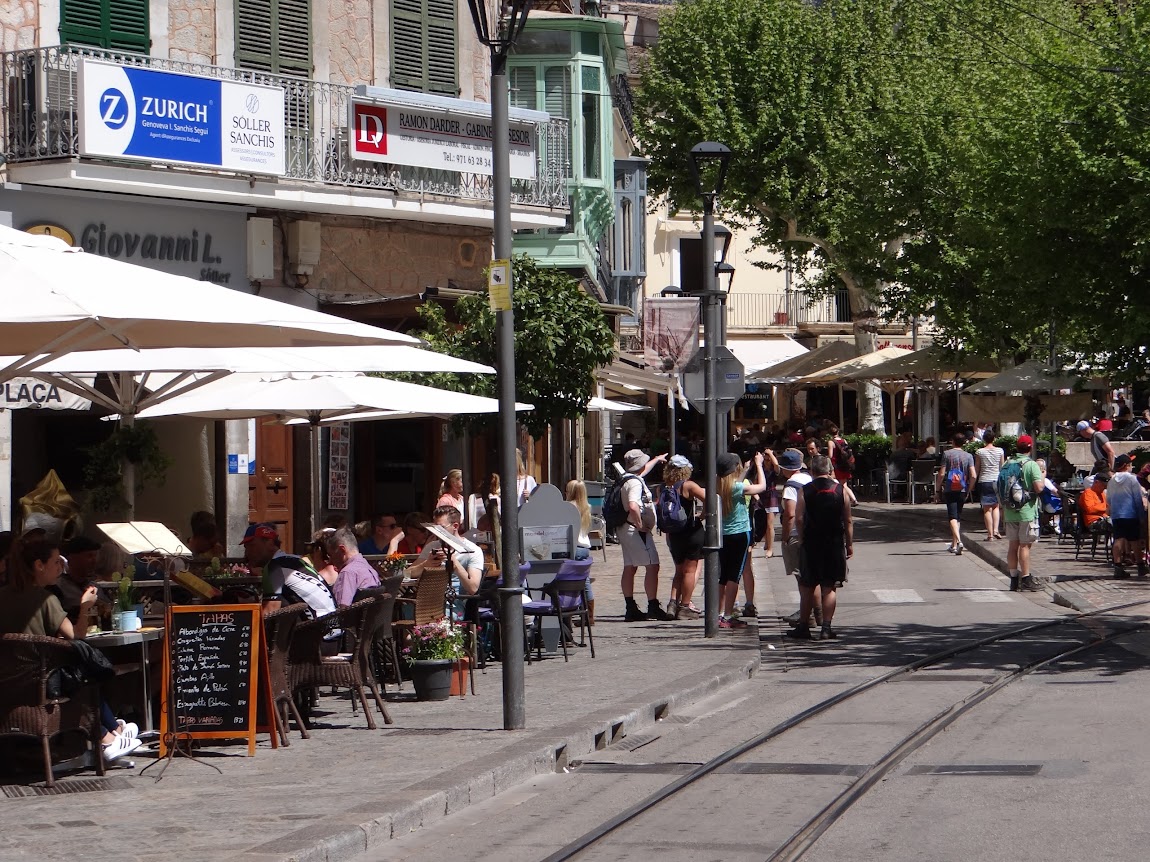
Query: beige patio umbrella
{"points": [[842, 371]]}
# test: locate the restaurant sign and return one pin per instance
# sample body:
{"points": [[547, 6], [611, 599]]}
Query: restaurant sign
{"points": [[131, 112], [432, 132], [23, 393]]}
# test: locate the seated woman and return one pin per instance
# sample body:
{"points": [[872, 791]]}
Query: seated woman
{"points": [[27, 607], [413, 537]]}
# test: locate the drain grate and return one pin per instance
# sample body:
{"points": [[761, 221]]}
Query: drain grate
{"points": [[638, 740], [994, 769], [420, 731], [62, 788]]}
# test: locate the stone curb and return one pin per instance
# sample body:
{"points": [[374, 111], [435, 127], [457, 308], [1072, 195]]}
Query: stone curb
{"points": [[341, 839], [1073, 601]]}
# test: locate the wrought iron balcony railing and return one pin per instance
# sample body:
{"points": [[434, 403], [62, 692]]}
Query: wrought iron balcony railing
{"points": [[39, 122], [759, 310]]}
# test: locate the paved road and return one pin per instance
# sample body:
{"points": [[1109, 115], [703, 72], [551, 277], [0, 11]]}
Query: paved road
{"points": [[1049, 784]]}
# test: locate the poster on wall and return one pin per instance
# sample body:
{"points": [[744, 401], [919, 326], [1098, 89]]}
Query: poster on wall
{"points": [[338, 465]]}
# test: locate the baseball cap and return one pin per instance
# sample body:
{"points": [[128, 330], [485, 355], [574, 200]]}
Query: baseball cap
{"points": [[80, 544], [1083, 425], [635, 459], [791, 459], [1102, 476], [729, 462], [1105, 425], [1025, 441], [1122, 461], [259, 531], [679, 461]]}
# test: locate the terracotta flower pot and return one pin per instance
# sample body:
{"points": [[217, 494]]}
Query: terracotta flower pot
{"points": [[459, 676]]}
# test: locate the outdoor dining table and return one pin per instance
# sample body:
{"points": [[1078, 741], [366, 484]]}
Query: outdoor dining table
{"points": [[143, 637]]}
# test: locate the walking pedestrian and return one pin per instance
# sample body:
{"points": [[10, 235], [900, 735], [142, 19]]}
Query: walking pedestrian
{"points": [[795, 478], [636, 542], [1021, 525], [736, 529], [952, 483], [826, 531], [1127, 510], [987, 462]]}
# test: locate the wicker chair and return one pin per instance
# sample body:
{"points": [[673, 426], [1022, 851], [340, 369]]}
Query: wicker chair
{"points": [[429, 602], [279, 628], [310, 669], [380, 651], [26, 662]]}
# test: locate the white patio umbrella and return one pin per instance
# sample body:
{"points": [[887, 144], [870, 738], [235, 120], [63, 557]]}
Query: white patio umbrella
{"points": [[318, 398], [58, 299]]}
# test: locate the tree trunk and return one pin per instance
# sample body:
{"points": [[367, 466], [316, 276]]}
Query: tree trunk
{"points": [[865, 324]]}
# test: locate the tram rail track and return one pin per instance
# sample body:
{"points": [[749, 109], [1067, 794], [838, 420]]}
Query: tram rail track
{"points": [[805, 837]]}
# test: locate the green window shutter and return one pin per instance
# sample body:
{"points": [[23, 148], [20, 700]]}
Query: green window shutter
{"points": [[423, 46], [557, 92], [274, 36], [117, 25], [521, 81]]}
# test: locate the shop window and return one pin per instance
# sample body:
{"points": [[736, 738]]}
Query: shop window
{"points": [[274, 36], [423, 46], [118, 25]]}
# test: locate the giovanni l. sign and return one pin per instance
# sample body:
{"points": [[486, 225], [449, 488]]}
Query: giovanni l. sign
{"points": [[129, 112], [434, 132]]}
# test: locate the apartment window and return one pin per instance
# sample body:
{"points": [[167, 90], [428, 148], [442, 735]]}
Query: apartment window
{"points": [[274, 36], [118, 25], [691, 264], [592, 126], [423, 44]]}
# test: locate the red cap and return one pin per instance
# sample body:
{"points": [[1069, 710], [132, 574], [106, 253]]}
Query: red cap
{"points": [[1105, 425], [259, 531], [1025, 441]]}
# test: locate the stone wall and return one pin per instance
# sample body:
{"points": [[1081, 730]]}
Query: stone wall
{"points": [[192, 30], [352, 54], [19, 20]]}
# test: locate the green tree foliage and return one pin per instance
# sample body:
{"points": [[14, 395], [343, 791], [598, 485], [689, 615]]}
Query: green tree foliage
{"points": [[983, 162], [561, 338]]}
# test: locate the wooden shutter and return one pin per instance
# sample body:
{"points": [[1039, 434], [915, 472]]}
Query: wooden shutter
{"points": [[423, 46], [274, 36], [557, 92], [521, 81], [118, 25]]}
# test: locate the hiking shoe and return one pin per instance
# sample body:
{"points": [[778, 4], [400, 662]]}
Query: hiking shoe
{"points": [[731, 623], [1030, 584], [792, 619], [689, 612], [673, 608], [799, 633], [1014, 581], [656, 612], [634, 615], [1120, 572], [750, 611], [827, 633], [120, 746]]}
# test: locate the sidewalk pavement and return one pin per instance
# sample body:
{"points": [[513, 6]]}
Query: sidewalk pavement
{"points": [[349, 788], [1083, 584]]}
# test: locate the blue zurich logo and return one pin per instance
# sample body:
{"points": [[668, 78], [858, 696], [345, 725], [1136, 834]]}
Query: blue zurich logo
{"points": [[113, 108]]}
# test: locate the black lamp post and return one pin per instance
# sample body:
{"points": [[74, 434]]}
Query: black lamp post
{"points": [[709, 164], [498, 29]]}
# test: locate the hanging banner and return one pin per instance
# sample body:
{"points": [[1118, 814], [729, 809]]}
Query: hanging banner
{"points": [[22, 393], [670, 333]]}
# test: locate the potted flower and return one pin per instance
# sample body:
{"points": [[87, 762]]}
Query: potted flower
{"points": [[394, 564], [434, 649], [126, 617]]}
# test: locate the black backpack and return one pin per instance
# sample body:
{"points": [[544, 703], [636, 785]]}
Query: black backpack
{"points": [[614, 512], [844, 455]]}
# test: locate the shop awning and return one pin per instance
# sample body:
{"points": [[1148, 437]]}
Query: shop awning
{"points": [[759, 353], [627, 375]]}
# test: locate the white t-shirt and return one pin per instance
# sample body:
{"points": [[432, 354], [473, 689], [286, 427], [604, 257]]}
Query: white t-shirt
{"points": [[790, 492], [524, 485], [635, 490], [988, 460]]}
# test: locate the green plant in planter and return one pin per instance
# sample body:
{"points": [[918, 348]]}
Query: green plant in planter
{"points": [[125, 590], [103, 472], [869, 447], [435, 641]]}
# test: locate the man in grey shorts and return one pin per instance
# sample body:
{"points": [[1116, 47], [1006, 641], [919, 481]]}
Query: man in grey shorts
{"points": [[795, 477], [636, 540]]}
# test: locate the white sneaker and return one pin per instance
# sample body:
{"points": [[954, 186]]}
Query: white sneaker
{"points": [[128, 728], [120, 746]]}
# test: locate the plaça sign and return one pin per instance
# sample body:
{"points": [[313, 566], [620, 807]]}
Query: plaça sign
{"points": [[435, 132], [22, 393], [130, 112]]}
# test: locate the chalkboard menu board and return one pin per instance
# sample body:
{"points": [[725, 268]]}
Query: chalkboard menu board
{"points": [[211, 677]]}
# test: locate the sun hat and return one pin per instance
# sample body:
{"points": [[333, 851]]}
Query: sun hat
{"points": [[635, 459], [729, 462], [679, 461], [791, 459]]}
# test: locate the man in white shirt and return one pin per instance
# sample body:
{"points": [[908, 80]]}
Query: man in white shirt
{"points": [[466, 565], [795, 477], [636, 539]]}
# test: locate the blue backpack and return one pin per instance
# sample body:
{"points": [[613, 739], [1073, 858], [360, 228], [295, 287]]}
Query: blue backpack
{"points": [[669, 513]]}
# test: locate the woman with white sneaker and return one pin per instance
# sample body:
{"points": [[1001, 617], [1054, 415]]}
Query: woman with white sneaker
{"points": [[27, 607]]}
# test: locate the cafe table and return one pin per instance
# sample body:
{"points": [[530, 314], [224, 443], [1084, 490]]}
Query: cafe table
{"points": [[143, 637]]}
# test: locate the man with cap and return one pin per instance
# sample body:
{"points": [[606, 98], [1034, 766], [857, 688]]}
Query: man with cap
{"points": [[826, 531], [262, 551], [1127, 508], [1100, 449], [636, 540], [1020, 526], [795, 477]]}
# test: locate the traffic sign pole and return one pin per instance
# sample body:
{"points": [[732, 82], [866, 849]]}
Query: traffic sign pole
{"points": [[711, 324]]}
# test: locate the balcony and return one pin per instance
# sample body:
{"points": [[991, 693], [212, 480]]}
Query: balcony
{"points": [[39, 124], [785, 310]]}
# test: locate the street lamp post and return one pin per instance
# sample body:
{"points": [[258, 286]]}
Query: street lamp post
{"points": [[498, 29], [709, 163]]}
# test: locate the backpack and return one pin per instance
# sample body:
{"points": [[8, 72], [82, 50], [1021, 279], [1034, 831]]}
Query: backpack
{"points": [[669, 513], [1011, 490], [956, 477], [614, 512], [844, 456]]}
